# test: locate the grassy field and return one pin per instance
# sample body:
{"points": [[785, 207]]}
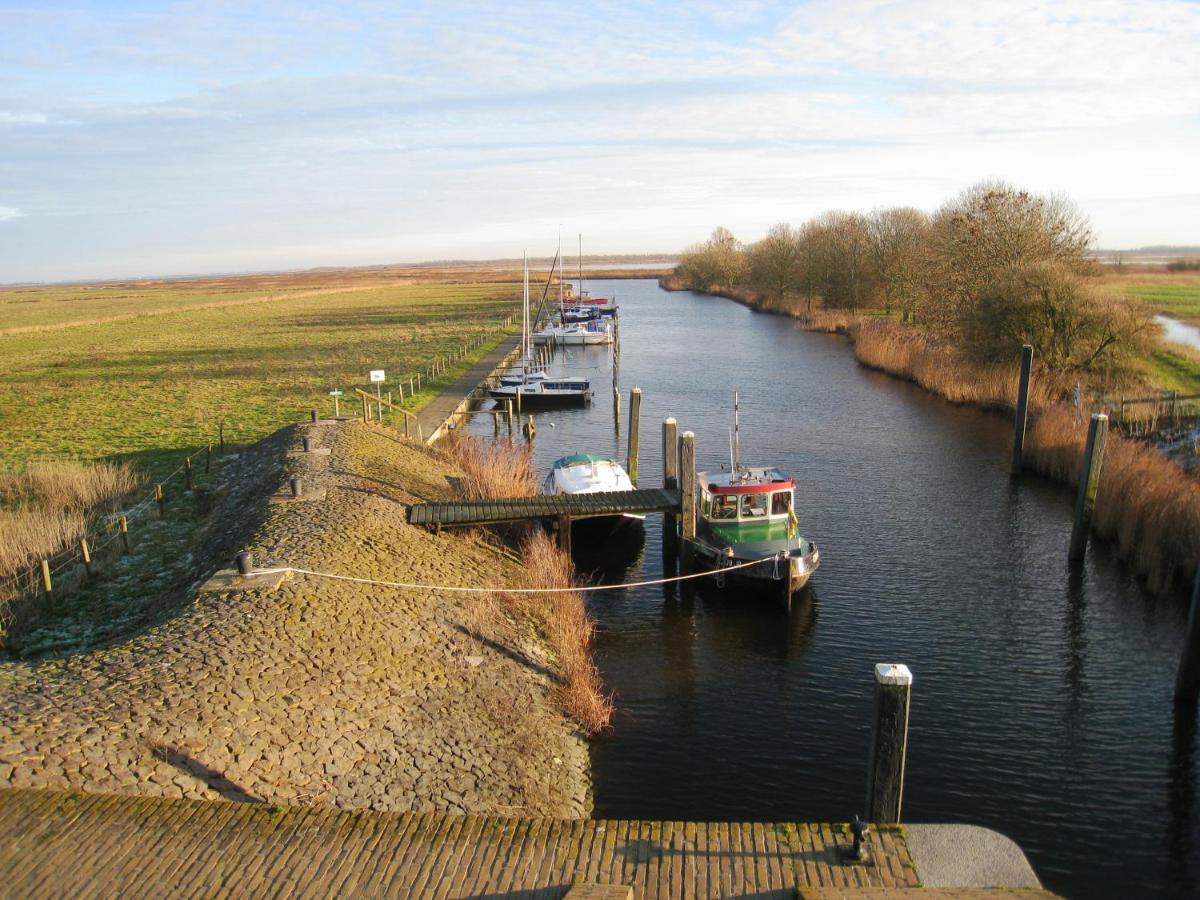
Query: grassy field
{"points": [[1175, 294], [144, 372]]}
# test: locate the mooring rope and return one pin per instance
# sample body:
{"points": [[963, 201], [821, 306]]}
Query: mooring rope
{"points": [[506, 590]]}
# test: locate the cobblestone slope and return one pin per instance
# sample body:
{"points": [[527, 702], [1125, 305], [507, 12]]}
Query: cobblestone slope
{"points": [[318, 691]]}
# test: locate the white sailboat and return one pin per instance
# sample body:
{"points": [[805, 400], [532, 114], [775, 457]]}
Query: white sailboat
{"points": [[538, 388]]}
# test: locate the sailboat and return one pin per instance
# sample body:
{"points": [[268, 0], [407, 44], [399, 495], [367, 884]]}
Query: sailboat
{"points": [[538, 388], [582, 322]]}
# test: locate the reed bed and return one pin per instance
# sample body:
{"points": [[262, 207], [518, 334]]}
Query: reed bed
{"points": [[492, 468], [944, 371], [1145, 504], [47, 508], [568, 630]]}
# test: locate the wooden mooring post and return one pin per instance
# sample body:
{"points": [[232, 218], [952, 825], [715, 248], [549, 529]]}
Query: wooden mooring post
{"points": [[1089, 481], [1022, 410], [617, 408], [670, 467], [635, 421], [687, 486], [1187, 681], [564, 534], [889, 743]]}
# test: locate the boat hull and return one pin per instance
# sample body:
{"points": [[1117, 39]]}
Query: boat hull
{"points": [[774, 573]]}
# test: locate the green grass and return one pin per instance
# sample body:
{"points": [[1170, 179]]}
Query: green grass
{"points": [[152, 386], [1172, 295], [1173, 371]]}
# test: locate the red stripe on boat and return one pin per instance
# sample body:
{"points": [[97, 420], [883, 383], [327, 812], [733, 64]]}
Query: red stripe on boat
{"points": [[751, 488]]}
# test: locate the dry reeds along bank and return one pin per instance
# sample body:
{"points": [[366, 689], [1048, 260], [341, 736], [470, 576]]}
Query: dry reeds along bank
{"points": [[492, 468], [567, 629], [1145, 503], [945, 371], [47, 508]]}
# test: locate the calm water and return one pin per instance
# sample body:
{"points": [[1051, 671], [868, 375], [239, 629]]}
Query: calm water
{"points": [[1042, 700], [1179, 332]]}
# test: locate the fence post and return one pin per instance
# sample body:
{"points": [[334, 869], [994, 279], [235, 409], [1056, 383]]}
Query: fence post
{"points": [[670, 467], [161, 499], [1022, 410], [366, 409], [1089, 481], [633, 448], [85, 552], [123, 527], [889, 743], [1187, 681], [208, 458], [47, 584], [189, 484], [221, 438]]}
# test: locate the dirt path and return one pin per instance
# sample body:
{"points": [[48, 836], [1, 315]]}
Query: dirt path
{"points": [[318, 691]]}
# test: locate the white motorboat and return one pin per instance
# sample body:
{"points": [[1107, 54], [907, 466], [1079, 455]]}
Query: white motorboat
{"points": [[593, 333], [588, 473]]}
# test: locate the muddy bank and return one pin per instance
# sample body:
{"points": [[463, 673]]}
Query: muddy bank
{"points": [[318, 691]]}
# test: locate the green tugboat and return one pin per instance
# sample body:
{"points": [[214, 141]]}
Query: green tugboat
{"points": [[748, 514]]}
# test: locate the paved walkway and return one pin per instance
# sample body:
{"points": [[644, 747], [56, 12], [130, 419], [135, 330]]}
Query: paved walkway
{"points": [[436, 411], [54, 844]]}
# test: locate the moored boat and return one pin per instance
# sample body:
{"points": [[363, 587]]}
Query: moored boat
{"points": [[747, 515], [589, 473]]}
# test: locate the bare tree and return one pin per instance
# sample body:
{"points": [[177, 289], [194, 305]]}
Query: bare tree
{"points": [[897, 239], [775, 264], [717, 263]]}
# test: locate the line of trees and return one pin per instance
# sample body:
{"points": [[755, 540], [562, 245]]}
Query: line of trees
{"points": [[992, 269]]}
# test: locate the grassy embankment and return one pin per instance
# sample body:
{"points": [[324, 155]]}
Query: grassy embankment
{"points": [[1146, 505], [143, 373], [1168, 366]]}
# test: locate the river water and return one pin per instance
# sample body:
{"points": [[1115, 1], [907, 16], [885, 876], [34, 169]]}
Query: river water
{"points": [[1042, 700]]}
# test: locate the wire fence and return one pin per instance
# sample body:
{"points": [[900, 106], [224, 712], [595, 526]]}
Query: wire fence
{"points": [[106, 530]]}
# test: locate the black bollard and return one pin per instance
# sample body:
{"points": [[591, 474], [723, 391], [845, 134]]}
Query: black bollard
{"points": [[245, 564]]}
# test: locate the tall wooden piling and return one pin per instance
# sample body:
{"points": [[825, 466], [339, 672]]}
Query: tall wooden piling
{"points": [[1022, 410], [687, 485], [508, 406], [530, 429], [670, 468], [1187, 681], [617, 408], [889, 743], [1089, 481], [635, 421]]}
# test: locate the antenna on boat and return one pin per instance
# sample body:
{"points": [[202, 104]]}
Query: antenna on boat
{"points": [[737, 436]]}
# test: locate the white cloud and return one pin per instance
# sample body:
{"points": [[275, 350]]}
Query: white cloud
{"points": [[9, 212]]}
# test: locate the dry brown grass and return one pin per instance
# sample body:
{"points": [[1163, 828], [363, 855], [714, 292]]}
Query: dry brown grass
{"points": [[47, 507], [493, 469], [567, 628], [1145, 504], [909, 354], [828, 321]]}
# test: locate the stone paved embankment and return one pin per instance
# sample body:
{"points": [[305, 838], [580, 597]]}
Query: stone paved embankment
{"points": [[318, 691]]}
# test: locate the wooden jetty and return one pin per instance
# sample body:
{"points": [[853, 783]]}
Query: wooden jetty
{"points": [[543, 506], [55, 844]]}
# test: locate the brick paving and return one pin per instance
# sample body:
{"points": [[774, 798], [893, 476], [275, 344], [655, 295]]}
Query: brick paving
{"points": [[54, 844]]}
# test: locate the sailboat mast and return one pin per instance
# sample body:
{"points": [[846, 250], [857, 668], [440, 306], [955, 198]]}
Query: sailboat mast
{"points": [[560, 270], [580, 297], [737, 436], [525, 311]]}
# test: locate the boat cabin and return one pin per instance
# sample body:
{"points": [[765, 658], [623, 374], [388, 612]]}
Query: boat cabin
{"points": [[749, 495]]}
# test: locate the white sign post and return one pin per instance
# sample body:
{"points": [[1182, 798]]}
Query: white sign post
{"points": [[377, 377]]}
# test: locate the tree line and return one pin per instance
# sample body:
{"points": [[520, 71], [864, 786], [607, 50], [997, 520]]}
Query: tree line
{"points": [[992, 269]]}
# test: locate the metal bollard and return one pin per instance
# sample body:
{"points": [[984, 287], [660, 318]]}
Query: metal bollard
{"points": [[297, 487], [245, 563]]}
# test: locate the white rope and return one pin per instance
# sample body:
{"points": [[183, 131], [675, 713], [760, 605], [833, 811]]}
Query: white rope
{"points": [[506, 590]]}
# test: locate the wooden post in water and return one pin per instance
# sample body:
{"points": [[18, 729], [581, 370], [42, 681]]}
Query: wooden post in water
{"points": [[530, 429], [889, 743], [508, 406], [632, 448], [1187, 682], [617, 408], [670, 467], [1089, 481], [1022, 410], [687, 485]]}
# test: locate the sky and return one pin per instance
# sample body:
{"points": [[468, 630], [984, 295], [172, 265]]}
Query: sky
{"points": [[141, 138]]}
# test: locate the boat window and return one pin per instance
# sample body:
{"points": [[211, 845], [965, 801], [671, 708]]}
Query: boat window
{"points": [[781, 501], [754, 506], [724, 507]]}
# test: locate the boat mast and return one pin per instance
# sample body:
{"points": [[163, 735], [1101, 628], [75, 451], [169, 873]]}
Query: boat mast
{"points": [[525, 311], [560, 271], [737, 436], [579, 299]]}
